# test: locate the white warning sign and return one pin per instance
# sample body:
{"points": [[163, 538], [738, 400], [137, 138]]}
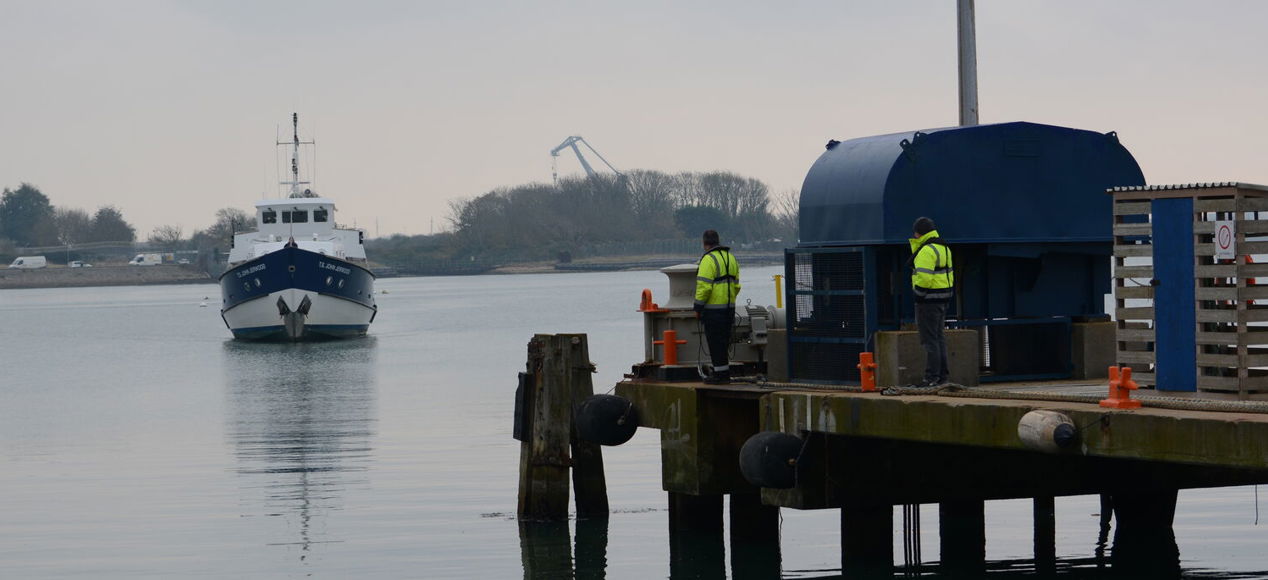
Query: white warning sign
{"points": [[1225, 240]]}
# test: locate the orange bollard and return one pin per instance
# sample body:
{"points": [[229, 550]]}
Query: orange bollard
{"points": [[867, 371], [670, 342], [646, 304], [1121, 386]]}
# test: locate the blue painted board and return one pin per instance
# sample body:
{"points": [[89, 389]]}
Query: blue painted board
{"points": [[1175, 316]]}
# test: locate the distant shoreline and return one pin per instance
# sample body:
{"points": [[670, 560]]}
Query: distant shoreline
{"points": [[15, 279], [625, 264], [62, 277]]}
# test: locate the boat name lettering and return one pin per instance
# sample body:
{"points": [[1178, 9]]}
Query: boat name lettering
{"points": [[252, 270], [335, 267]]}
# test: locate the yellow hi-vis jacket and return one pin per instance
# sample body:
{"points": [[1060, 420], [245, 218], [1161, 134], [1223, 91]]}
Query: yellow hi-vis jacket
{"points": [[717, 279], [932, 277]]}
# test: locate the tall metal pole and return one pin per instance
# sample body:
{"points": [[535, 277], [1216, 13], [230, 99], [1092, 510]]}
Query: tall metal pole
{"points": [[968, 62]]}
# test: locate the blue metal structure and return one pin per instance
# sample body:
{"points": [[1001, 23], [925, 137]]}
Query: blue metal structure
{"points": [[1023, 207]]}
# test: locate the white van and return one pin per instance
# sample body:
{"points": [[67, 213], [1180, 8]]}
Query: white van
{"points": [[146, 260], [29, 262]]}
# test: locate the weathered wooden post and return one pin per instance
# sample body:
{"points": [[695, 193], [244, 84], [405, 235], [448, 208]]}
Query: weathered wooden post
{"points": [[556, 381], [587, 457]]}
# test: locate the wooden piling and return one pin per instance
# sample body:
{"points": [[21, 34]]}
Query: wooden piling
{"points": [[559, 367], [589, 484]]}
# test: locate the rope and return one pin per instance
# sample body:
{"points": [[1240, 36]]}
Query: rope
{"points": [[761, 381]]}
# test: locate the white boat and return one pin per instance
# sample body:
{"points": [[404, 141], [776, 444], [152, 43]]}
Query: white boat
{"points": [[298, 276]]}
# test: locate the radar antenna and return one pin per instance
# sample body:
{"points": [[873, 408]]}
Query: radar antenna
{"points": [[295, 181]]}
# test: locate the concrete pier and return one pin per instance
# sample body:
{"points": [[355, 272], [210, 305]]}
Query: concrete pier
{"points": [[864, 453]]}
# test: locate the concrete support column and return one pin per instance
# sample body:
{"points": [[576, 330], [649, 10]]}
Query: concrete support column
{"points": [[696, 549], [1144, 541], [867, 539], [1045, 509], [754, 538], [962, 535]]}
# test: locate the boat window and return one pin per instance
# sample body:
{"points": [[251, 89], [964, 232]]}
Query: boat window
{"points": [[319, 215], [269, 217], [299, 217], [286, 217]]}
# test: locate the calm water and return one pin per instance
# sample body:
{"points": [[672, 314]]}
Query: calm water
{"points": [[138, 440]]}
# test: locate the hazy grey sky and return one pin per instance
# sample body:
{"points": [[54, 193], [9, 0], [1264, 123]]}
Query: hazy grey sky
{"points": [[168, 110]]}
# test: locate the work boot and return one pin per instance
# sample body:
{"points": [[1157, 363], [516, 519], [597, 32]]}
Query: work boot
{"points": [[718, 378]]}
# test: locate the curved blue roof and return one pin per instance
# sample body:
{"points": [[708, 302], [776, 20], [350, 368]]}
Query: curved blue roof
{"points": [[1009, 182]]}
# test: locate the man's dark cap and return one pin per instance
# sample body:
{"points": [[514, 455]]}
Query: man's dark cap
{"points": [[923, 226]]}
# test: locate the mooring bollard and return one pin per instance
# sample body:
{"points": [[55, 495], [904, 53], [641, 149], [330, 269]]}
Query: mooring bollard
{"points": [[670, 344], [867, 371], [645, 303], [1121, 386]]}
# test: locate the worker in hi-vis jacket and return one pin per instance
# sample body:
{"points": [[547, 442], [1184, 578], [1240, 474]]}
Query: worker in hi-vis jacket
{"points": [[932, 283], [717, 285]]}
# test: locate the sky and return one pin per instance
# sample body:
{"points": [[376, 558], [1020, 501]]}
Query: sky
{"points": [[169, 110]]}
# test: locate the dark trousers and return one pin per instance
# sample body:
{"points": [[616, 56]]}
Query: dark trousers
{"points": [[717, 334], [931, 317]]}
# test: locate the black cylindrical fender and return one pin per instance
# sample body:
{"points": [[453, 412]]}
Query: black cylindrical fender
{"points": [[769, 459], [606, 419]]}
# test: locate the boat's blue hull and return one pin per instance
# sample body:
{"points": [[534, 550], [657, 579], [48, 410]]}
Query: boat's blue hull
{"points": [[295, 294]]}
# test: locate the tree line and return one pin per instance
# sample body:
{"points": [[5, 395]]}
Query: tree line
{"points": [[529, 222], [543, 221], [28, 219]]}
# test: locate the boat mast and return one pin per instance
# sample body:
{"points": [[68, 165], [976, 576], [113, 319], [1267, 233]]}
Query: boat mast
{"points": [[295, 182]]}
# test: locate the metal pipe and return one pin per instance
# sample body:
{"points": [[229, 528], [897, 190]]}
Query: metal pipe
{"points": [[968, 62]]}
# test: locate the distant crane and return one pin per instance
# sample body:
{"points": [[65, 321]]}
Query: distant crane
{"points": [[572, 142]]}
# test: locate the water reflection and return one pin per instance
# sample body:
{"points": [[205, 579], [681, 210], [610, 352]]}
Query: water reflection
{"points": [[547, 550], [301, 420]]}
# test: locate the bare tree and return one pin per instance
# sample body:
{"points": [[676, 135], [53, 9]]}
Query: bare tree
{"points": [[168, 236], [786, 210], [653, 200], [73, 225]]}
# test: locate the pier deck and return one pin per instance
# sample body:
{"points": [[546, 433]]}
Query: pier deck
{"points": [[931, 448], [866, 452]]}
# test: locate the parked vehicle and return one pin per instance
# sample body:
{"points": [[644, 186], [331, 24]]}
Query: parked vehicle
{"points": [[146, 260], [79, 264], [29, 262]]}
